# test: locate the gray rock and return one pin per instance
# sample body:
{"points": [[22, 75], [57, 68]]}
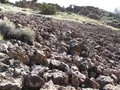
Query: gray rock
{"points": [[3, 67], [91, 83], [117, 87], [65, 87], [39, 70], [49, 86], [109, 87], [2, 55], [77, 60], [58, 77], [77, 78], [89, 89], [34, 82], [103, 80], [114, 78], [10, 83], [55, 64], [4, 47], [19, 54]]}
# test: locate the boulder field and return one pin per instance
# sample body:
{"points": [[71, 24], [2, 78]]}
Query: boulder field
{"points": [[64, 56]]}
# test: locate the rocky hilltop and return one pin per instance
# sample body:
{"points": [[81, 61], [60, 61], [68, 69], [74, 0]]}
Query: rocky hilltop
{"points": [[64, 56]]}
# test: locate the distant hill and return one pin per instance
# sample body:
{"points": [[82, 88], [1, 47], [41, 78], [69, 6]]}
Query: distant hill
{"points": [[106, 17]]}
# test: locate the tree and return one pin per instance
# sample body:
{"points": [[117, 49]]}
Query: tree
{"points": [[117, 11], [48, 9], [3, 1], [34, 1]]}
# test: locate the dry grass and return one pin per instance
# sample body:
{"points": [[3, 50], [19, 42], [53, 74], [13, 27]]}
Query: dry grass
{"points": [[7, 7], [79, 18], [1, 37], [73, 17]]}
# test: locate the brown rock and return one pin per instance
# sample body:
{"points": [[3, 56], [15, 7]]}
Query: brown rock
{"points": [[39, 57], [7, 82], [19, 54], [58, 77], [34, 82], [77, 78], [91, 83]]}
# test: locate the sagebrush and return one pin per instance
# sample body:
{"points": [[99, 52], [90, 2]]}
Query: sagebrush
{"points": [[8, 30]]}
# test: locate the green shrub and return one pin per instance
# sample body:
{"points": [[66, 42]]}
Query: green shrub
{"points": [[48, 9], [23, 34], [27, 35], [3, 1], [6, 27], [8, 30]]}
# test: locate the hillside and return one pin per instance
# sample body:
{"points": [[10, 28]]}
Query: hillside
{"points": [[63, 55], [103, 16]]}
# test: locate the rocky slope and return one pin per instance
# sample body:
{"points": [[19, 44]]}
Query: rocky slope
{"points": [[64, 56]]}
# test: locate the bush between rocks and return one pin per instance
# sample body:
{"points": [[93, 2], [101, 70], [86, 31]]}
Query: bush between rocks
{"points": [[8, 31]]}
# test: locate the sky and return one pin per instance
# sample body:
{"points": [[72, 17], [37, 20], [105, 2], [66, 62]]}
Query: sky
{"points": [[108, 5]]}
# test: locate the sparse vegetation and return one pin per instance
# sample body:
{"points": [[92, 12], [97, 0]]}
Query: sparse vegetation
{"points": [[48, 9], [1, 37], [8, 31], [5, 28], [27, 35]]}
